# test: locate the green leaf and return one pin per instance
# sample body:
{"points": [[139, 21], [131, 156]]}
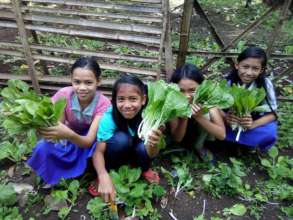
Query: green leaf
{"points": [[95, 207], [266, 163], [138, 190], [237, 209], [63, 212], [59, 107], [73, 186], [7, 195], [207, 178], [273, 152], [288, 211], [134, 175]]}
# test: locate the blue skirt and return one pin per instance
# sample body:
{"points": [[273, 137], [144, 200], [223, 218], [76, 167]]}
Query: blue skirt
{"points": [[54, 161], [262, 137]]}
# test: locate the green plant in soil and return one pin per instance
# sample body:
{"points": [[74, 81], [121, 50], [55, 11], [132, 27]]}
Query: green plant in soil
{"points": [[180, 178], [285, 129], [98, 209], [68, 193], [224, 179], [135, 193], [7, 200]]}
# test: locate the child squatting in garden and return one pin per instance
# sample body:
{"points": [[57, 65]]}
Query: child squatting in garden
{"points": [[261, 128], [53, 160], [118, 143], [193, 132]]}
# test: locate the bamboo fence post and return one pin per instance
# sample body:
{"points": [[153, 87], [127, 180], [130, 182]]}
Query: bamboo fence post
{"points": [[184, 32], [277, 29], [36, 40], [26, 49], [168, 45]]}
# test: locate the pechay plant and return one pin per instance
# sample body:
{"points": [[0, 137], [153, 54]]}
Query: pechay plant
{"points": [[211, 94], [181, 179], [24, 109], [245, 102], [165, 102], [135, 193]]}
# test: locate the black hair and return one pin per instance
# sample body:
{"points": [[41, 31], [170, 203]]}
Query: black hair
{"points": [[187, 71], [119, 120], [258, 53], [89, 63], [251, 52]]}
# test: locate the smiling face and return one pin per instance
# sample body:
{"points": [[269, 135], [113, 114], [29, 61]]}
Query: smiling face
{"points": [[84, 83], [249, 69], [129, 100], [188, 87]]}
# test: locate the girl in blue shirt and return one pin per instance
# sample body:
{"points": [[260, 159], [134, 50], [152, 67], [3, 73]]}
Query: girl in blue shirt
{"points": [[261, 129], [118, 142]]}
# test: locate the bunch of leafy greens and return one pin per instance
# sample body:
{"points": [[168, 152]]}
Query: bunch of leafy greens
{"points": [[136, 194], [211, 94], [165, 102], [245, 102], [24, 109]]}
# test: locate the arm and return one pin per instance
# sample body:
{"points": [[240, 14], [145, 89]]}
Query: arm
{"points": [[61, 131], [178, 128], [248, 123], [215, 126], [106, 186]]}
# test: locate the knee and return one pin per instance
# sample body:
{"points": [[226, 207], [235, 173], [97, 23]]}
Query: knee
{"points": [[120, 142], [141, 150]]}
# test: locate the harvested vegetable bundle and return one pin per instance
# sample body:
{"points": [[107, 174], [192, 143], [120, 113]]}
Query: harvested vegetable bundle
{"points": [[24, 109], [165, 102], [245, 102], [210, 94]]}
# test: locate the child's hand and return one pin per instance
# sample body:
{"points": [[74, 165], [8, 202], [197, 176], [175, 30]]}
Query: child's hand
{"points": [[246, 122], [153, 141], [232, 119], [106, 188], [196, 110], [60, 131]]}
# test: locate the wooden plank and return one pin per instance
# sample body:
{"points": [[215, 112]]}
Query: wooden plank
{"points": [[103, 35], [184, 32], [84, 33], [118, 68], [52, 79], [100, 54], [102, 5], [25, 44], [139, 18], [94, 23]]}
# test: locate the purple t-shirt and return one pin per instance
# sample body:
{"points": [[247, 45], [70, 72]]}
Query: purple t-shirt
{"points": [[77, 119]]}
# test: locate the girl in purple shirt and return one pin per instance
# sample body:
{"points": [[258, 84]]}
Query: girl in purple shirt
{"points": [[76, 131]]}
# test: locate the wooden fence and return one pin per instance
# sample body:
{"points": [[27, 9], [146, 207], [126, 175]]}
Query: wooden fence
{"points": [[135, 37], [183, 51]]}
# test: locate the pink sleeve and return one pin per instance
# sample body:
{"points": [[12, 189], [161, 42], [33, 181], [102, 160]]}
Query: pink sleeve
{"points": [[103, 105], [62, 93]]}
